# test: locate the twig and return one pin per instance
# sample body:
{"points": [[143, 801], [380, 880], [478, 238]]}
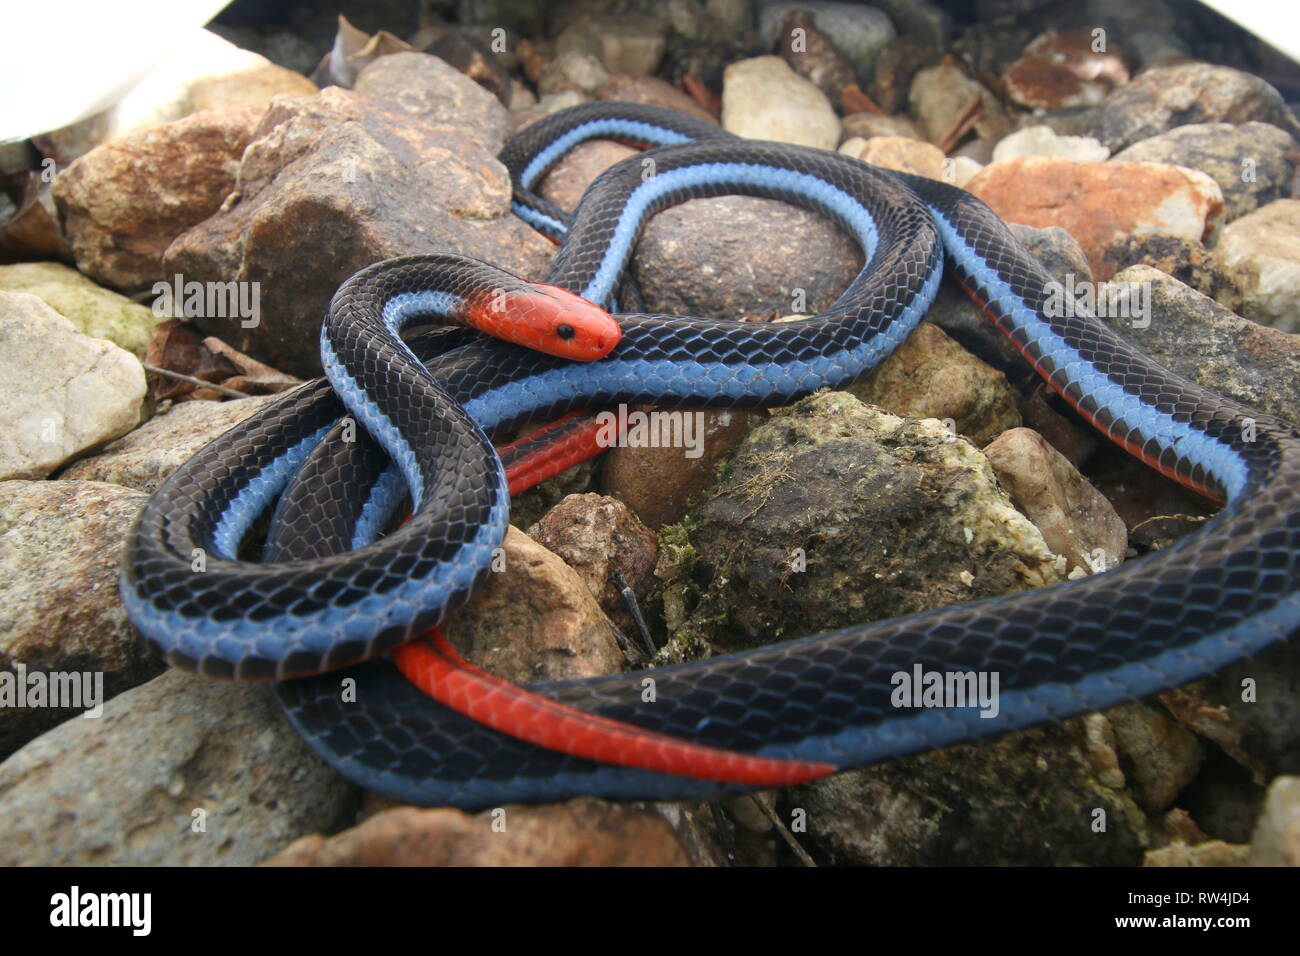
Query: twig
{"points": [[786, 835], [181, 377], [634, 609]]}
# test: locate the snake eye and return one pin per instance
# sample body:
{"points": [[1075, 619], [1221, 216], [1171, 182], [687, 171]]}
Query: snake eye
{"points": [[564, 331]]}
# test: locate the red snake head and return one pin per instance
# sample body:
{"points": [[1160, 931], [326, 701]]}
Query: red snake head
{"points": [[547, 319]]}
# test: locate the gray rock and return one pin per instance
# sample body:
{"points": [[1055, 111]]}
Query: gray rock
{"points": [[61, 392], [837, 478], [94, 310], [60, 550], [142, 458], [1164, 97], [180, 771], [860, 32], [737, 256], [1195, 336], [1024, 799], [332, 183], [1249, 162], [427, 88]]}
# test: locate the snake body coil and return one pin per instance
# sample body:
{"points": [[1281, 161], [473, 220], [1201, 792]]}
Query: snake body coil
{"points": [[329, 594]]}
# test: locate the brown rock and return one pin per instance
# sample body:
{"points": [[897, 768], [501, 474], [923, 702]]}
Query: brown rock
{"points": [[900, 153], [867, 125], [813, 55], [246, 89], [572, 174], [1101, 203], [652, 91], [940, 94], [657, 483], [533, 619], [1186, 260], [427, 88], [897, 64], [1075, 518], [60, 546], [330, 184], [931, 376], [1059, 70], [596, 536], [577, 833], [123, 203]]}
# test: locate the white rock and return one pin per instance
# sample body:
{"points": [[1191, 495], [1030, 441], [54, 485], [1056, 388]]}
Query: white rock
{"points": [[961, 170], [1264, 248], [61, 392], [1044, 141], [763, 98]]}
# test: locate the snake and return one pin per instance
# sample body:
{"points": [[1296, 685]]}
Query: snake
{"points": [[335, 602]]}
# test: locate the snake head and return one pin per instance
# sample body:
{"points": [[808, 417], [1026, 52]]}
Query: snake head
{"points": [[547, 319]]}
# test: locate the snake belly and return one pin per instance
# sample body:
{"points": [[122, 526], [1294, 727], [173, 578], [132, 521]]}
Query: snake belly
{"points": [[1216, 596]]}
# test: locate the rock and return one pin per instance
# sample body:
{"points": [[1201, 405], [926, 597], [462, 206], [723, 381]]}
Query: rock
{"points": [[658, 483], [1249, 162], [960, 170], [920, 19], [573, 72], [813, 55], [596, 536], [123, 203], [204, 72], [652, 91], [1196, 337], [955, 313], [762, 98], [940, 94], [143, 458], [1186, 260], [931, 376], [624, 42], [738, 256], [897, 152], [1062, 69], [1098, 203], [180, 771], [61, 392], [987, 47], [1276, 840], [92, 309], [60, 548], [895, 67], [1043, 141], [554, 102], [366, 182], [570, 177], [425, 87], [1159, 755], [1075, 518], [860, 32], [867, 125], [826, 485], [1264, 248], [474, 57], [581, 832], [1023, 799], [1209, 853], [533, 619], [1163, 97], [1261, 727]]}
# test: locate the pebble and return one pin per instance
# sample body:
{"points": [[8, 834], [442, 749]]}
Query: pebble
{"points": [[763, 98], [92, 309], [1264, 248]]}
